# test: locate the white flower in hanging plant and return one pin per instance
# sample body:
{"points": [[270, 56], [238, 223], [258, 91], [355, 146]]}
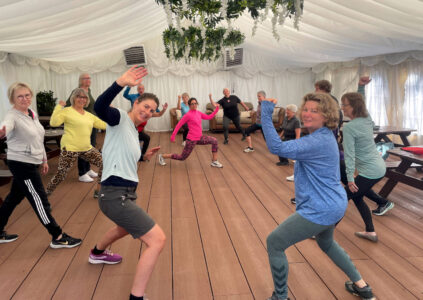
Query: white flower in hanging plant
{"points": [[168, 13], [184, 5], [274, 28], [282, 15], [298, 13], [254, 30], [223, 8]]}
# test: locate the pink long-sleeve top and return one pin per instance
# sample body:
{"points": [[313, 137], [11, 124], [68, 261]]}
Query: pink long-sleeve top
{"points": [[193, 119]]}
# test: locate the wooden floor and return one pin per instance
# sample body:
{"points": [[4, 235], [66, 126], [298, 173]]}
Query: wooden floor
{"points": [[216, 222]]}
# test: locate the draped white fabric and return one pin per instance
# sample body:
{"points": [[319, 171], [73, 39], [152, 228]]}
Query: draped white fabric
{"points": [[48, 43]]}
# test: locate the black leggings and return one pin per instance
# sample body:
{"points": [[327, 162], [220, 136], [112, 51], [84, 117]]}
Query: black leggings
{"points": [[27, 183], [365, 189], [145, 138]]}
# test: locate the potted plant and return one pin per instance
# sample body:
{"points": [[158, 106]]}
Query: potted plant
{"points": [[45, 103]]}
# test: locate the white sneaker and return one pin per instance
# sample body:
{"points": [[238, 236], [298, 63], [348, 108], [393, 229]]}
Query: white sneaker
{"points": [[161, 160], [183, 144], [290, 178], [92, 174], [216, 164], [248, 149], [85, 178]]}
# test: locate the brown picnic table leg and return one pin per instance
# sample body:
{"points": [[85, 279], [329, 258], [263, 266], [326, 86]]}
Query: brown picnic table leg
{"points": [[391, 183]]}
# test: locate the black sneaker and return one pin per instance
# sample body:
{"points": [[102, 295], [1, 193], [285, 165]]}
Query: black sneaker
{"points": [[383, 209], [96, 193], [293, 201], [365, 293], [7, 238], [225, 142], [65, 242], [274, 297]]}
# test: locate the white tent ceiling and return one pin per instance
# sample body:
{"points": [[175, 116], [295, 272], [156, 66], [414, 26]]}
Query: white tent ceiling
{"points": [[330, 30]]}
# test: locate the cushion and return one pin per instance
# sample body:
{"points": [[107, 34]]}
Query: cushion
{"points": [[275, 115], [415, 150], [245, 114], [178, 114]]}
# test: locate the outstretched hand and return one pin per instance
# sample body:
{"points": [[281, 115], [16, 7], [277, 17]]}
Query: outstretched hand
{"points": [[132, 77], [273, 100], [165, 106], [44, 168], [62, 103], [151, 152], [2, 132], [364, 80]]}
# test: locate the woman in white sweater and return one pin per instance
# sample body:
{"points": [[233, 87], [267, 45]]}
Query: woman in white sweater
{"points": [[26, 152]]}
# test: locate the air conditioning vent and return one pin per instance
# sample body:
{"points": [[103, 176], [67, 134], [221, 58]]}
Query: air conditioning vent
{"points": [[236, 61], [135, 56]]}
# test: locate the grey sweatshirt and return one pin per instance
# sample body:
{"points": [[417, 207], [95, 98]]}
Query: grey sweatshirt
{"points": [[25, 137]]}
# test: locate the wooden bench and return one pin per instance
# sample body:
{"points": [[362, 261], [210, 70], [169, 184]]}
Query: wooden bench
{"points": [[394, 164]]}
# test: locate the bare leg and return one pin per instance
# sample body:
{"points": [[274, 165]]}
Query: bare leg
{"points": [[361, 283], [155, 241], [250, 144], [214, 155], [111, 236]]}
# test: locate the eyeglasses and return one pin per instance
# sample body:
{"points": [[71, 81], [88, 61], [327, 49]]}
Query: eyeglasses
{"points": [[86, 78], [344, 105], [82, 97], [194, 103], [21, 97]]}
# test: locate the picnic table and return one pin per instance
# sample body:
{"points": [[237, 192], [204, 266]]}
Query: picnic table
{"points": [[396, 172]]}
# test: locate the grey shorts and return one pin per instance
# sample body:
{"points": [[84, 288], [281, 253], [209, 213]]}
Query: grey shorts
{"points": [[118, 204]]}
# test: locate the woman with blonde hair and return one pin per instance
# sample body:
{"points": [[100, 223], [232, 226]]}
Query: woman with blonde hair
{"points": [[78, 125], [25, 155], [321, 199]]}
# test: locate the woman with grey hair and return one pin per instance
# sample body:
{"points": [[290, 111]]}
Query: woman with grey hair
{"points": [[25, 155], [84, 169], [257, 125], [290, 129], [78, 125]]}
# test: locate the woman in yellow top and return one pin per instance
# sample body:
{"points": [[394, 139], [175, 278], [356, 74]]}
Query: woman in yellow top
{"points": [[78, 124]]}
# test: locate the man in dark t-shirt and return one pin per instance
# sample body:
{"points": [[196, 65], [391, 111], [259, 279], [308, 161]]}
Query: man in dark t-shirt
{"points": [[229, 103]]}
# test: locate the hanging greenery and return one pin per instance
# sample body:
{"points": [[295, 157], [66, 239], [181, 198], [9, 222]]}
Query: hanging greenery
{"points": [[203, 35]]}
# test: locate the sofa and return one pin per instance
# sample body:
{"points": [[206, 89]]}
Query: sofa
{"points": [[247, 118]]}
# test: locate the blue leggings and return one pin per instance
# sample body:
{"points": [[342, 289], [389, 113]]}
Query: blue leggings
{"points": [[296, 229]]}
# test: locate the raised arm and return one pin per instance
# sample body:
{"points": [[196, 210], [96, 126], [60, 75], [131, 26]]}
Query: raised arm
{"points": [[179, 102], [211, 116], [111, 115], [212, 102], [126, 94], [58, 117], [160, 113]]}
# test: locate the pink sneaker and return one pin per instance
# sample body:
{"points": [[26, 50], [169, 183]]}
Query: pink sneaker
{"points": [[107, 257]]}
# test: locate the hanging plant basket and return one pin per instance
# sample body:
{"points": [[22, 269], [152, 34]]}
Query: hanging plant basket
{"points": [[206, 37]]}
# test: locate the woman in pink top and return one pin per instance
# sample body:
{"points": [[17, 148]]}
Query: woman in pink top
{"points": [[195, 136]]}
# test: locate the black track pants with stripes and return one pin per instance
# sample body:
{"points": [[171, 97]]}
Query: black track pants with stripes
{"points": [[27, 183]]}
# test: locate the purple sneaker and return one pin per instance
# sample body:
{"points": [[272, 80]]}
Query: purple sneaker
{"points": [[107, 257]]}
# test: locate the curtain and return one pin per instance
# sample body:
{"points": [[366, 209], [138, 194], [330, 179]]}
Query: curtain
{"points": [[413, 98]]}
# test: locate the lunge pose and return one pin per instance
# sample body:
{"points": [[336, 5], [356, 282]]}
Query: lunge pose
{"points": [[143, 137], [360, 154], [78, 125], [195, 136], [84, 168], [121, 153], [26, 152], [229, 104], [321, 199]]}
